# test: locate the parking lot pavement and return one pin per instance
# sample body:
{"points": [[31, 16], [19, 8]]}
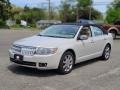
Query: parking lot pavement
{"points": [[91, 75]]}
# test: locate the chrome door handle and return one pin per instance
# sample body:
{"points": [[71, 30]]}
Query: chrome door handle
{"points": [[105, 39], [92, 41]]}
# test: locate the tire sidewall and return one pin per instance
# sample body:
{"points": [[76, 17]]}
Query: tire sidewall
{"points": [[60, 68], [104, 53]]}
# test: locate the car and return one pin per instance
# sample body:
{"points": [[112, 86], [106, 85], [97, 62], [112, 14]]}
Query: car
{"points": [[61, 46], [114, 28], [117, 22]]}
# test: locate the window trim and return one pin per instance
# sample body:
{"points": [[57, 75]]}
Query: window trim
{"points": [[81, 29], [99, 29]]}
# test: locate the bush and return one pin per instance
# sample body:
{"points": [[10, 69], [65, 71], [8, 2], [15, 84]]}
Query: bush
{"points": [[32, 25], [15, 26], [3, 24]]}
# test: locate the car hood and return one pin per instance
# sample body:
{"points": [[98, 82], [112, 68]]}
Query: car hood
{"points": [[40, 41]]}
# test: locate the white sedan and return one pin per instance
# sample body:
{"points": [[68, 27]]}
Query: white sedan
{"points": [[61, 47]]}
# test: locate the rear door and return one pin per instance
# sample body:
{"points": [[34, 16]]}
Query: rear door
{"points": [[99, 40]]}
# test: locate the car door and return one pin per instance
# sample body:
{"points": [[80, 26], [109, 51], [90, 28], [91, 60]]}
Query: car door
{"points": [[85, 47], [98, 40]]}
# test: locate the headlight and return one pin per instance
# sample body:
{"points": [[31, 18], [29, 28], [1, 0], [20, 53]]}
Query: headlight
{"points": [[46, 51]]}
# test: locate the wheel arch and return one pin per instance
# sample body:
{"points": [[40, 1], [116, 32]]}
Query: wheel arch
{"points": [[113, 29], [73, 52]]}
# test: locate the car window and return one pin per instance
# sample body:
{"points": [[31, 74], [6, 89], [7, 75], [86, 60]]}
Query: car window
{"points": [[60, 31], [96, 31], [86, 31]]}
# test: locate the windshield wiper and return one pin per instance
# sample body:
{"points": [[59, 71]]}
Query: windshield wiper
{"points": [[57, 36], [52, 36]]}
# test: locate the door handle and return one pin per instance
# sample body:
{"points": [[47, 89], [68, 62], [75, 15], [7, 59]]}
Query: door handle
{"points": [[92, 41], [105, 39]]}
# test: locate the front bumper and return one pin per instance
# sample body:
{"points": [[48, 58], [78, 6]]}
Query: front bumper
{"points": [[37, 61]]}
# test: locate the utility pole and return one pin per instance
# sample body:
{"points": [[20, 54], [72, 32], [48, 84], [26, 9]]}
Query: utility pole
{"points": [[49, 9], [77, 14], [90, 12]]}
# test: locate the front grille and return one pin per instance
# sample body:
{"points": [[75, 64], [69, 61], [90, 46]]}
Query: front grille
{"points": [[23, 62], [24, 50], [28, 51]]}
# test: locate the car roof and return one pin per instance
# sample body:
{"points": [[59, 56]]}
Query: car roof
{"points": [[78, 24], [84, 24]]}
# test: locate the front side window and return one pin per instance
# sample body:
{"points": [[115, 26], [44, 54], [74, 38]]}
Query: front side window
{"points": [[96, 31], [60, 31], [86, 31]]}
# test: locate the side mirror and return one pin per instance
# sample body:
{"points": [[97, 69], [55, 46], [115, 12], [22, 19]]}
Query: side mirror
{"points": [[83, 37]]}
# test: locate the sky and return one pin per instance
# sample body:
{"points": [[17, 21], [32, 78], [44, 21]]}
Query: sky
{"points": [[100, 5]]}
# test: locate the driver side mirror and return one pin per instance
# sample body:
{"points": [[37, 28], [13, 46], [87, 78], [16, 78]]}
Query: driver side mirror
{"points": [[83, 37]]}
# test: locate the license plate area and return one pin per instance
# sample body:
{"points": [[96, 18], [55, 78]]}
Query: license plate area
{"points": [[18, 57]]}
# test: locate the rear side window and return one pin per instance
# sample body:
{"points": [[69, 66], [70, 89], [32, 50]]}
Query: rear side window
{"points": [[96, 31]]}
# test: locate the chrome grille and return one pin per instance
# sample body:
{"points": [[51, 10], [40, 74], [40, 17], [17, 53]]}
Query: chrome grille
{"points": [[24, 50], [28, 51]]}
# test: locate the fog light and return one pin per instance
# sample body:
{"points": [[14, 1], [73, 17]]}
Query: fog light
{"points": [[42, 64]]}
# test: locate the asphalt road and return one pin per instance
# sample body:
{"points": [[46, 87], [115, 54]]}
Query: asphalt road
{"points": [[90, 75]]}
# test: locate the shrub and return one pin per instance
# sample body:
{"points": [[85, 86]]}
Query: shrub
{"points": [[3, 24]]}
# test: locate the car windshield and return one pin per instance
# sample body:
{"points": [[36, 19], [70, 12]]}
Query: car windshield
{"points": [[60, 31]]}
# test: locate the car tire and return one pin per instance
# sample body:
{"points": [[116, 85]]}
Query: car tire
{"points": [[106, 53], [66, 63], [113, 34]]}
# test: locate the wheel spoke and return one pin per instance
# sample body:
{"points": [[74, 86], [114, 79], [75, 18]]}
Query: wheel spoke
{"points": [[107, 52], [68, 62]]}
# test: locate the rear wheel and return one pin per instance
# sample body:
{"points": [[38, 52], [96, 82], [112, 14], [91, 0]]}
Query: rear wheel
{"points": [[106, 52], [66, 63]]}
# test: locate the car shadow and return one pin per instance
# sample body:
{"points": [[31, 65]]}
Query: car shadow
{"points": [[85, 63], [31, 71], [117, 39], [44, 73]]}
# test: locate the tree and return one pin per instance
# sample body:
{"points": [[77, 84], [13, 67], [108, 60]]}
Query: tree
{"points": [[116, 3], [15, 11], [113, 11], [72, 10], [86, 11], [65, 10], [5, 7], [31, 15]]}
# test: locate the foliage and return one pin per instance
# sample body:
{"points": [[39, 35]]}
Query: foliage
{"points": [[31, 15], [5, 7], [84, 3], [67, 13], [3, 24], [113, 11], [72, 10], [116, 3]]}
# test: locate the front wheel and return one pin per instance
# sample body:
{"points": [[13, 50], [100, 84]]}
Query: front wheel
{"points": [[106, 52], [66, 63]]}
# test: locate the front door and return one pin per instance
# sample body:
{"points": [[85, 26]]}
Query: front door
{"points": [[85, 47]]}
